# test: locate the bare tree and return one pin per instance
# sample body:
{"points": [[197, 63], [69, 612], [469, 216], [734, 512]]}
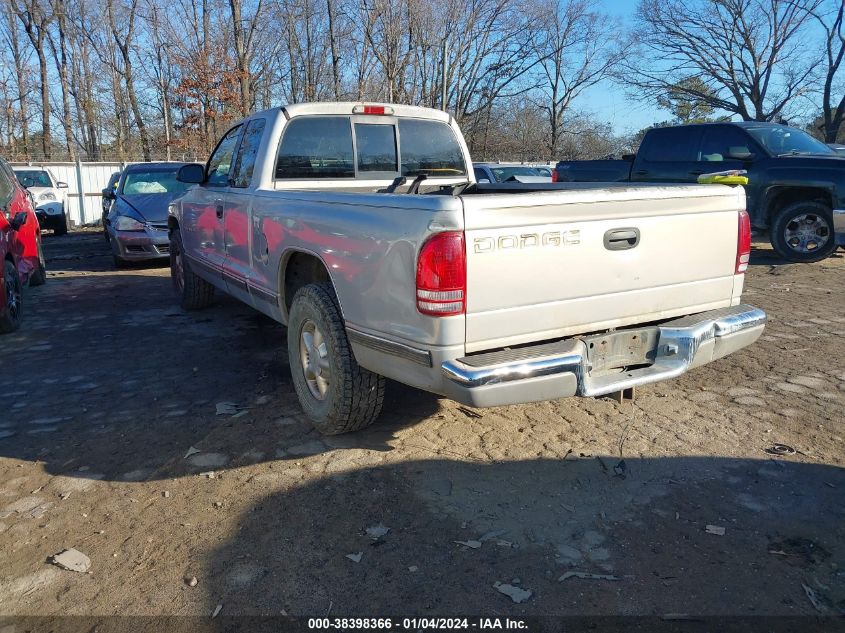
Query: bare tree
{"points": [[749, 54], [244, 30], [577, 48], [121, 19], [36, 20], [833, 111], [59, 49], [10, 32]]}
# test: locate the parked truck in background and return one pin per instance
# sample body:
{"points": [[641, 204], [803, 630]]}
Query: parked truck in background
{"points": [[796, 188], [361, 228]]}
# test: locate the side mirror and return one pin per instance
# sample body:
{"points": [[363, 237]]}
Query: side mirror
{"points": [[629, 157], [483, 181], [192, 174], [61, 185], [18, 221], [109, 194]]}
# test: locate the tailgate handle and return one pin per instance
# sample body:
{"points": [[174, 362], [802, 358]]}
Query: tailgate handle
{"points": [[621, 239]]}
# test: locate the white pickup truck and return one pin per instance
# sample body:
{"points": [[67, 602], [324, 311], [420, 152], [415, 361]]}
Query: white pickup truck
{"points": [[361, 228]]}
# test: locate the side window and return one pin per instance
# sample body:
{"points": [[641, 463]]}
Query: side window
{"points": [[220, 163], [316, 147], [7, 188], [376, 145], [430, 148], [672, 145], [722, 143], [247, 152], [480, 175]]}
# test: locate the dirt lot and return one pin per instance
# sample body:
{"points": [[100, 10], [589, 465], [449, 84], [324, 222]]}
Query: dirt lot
{"points": [[110, 444]]}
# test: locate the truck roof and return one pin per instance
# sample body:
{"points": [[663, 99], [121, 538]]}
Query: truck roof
{"points": [[346, 107], [736, 123]]}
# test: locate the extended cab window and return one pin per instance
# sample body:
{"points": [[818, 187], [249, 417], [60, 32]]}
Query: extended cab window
{"points": [[220, 163], [376, 145], [316, 147], [247, 153], [724, 143], [430, 148], [671, 145]]}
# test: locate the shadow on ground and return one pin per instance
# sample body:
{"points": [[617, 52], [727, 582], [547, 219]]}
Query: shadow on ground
{"points": [[778, 526], [110, 375]]}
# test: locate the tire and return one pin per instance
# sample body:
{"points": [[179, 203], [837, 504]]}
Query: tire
{"points": [[10, 317], [351, 398], [193, 291], [62, 228], [803, 232], [39, 277]]}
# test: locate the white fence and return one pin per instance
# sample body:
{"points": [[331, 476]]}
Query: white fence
{"points": [[85, 182]]}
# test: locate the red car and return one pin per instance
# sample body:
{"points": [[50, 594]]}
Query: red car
{"points": [[20, 248]]}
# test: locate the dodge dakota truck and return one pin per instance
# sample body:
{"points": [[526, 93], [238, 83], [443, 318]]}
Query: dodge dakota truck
{"points": [[361, 228], [796, 186]]}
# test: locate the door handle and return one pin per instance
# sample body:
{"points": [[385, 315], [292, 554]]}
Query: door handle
{"points": [[641, 172], [621, 239], [219, 210]]}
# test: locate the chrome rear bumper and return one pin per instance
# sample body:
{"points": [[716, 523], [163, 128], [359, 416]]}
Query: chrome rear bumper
{"points": [[839, 226], [561, 369]]}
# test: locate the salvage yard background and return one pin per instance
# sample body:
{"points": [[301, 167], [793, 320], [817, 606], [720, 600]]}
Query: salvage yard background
{"points": [[110, 443]]}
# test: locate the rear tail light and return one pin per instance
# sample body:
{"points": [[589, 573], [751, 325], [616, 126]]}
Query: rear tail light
{"points": [[442, 275], [554, 175], [743, 243]]}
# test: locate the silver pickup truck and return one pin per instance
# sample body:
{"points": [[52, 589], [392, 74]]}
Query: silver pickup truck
{"points": [[361, 228]]}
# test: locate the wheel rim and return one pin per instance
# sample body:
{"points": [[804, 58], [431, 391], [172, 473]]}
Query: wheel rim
{"points": [[806, 233], [314, 356], [177, 269], [13, 298]]}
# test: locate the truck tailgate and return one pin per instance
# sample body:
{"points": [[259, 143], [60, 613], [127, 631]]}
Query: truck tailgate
{"points": [[553, 264]]}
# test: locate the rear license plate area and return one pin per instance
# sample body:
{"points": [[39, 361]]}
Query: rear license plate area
{"points": [[623, 348]]}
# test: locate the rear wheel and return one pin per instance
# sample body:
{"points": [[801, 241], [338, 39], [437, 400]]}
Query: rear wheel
{"points": [[193, 291], [10, 316], [39, 277], [803, 232], [336, 393]]}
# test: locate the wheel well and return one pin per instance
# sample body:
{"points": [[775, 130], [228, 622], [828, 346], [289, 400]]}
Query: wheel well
{"points": [[781, 198], [300, 270]]}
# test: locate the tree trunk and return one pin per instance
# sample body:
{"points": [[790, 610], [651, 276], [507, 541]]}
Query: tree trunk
{"points": [[46, 136], [60, 59], [242, 56], [330, 8]]}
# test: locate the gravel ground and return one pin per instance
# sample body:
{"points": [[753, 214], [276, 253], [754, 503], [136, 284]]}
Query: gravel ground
{"points": [[110, 444]]}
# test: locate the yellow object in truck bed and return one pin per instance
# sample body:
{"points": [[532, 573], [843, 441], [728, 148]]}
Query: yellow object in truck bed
{"points": [[731, 177]]}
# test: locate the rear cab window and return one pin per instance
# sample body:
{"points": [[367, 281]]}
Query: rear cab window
{"points": [[340, 147], [316, 147]]}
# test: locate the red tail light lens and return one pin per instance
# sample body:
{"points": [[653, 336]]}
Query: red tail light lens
{"points": [[554, 174], [743, 243], [442, 275]]}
